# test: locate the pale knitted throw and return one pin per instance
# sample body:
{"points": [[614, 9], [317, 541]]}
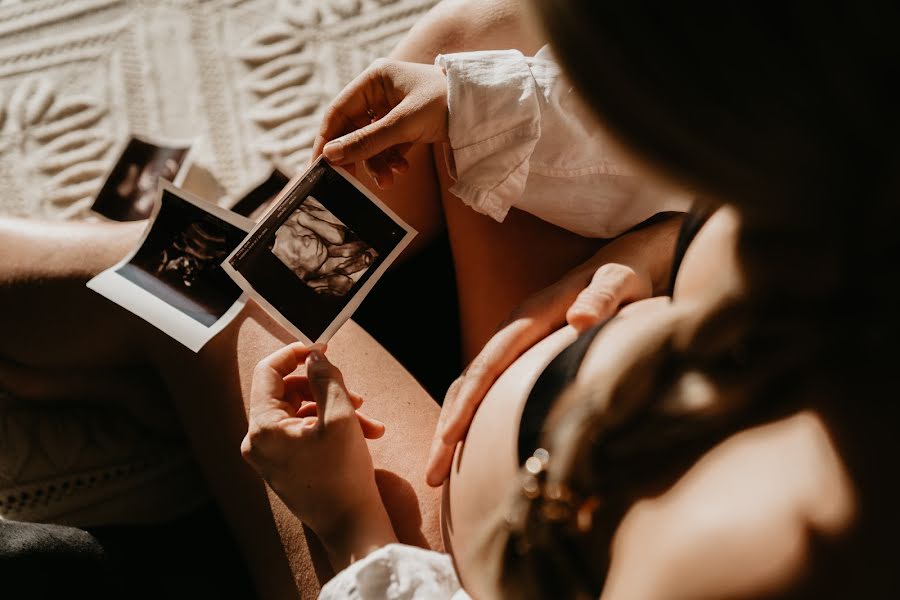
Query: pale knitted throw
{"points": [[248, 80]]}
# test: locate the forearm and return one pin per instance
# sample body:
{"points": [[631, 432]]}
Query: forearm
{"points": [[469, 25], [648, 250]]}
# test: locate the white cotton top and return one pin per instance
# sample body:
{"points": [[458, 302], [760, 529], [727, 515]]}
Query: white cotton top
{"points": [[520, 136], [397, 572]]}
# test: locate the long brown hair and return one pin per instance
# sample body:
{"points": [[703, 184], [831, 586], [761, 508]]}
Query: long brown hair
{"points": [[791, 113]]}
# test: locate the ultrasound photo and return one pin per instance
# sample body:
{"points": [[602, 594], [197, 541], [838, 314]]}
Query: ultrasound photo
{"points": [[326, 254], [315, 256], [174, 278], [130, 188]]}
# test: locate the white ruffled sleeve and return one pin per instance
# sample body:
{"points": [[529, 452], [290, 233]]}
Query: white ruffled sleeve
{"points": [[397, 572], [495, 123], [520, 135]]}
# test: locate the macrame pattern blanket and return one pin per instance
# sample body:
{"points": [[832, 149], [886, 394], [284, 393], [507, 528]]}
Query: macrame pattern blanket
{"points": [[248, 81]]}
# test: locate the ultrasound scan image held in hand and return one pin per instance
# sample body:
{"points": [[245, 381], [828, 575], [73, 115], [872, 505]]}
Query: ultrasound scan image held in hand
{"points": [[316, 254]]}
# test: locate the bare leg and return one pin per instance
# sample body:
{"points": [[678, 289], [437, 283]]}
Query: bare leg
{"points": [[498, 265], [57, 325], [44, 267]]}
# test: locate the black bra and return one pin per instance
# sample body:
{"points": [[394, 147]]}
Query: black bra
{"points": [[561, 371]]}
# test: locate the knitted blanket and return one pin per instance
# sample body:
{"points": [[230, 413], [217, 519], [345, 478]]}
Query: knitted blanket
{"points": [[247, 80]]}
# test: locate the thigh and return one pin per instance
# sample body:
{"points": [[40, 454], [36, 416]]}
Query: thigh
{"points": [[498, 265], [210, 391], [415, 196], [48, 317], [469, 25]]}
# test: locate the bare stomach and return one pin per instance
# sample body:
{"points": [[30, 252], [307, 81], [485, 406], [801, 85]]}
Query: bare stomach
{"points": [[486, 463]]}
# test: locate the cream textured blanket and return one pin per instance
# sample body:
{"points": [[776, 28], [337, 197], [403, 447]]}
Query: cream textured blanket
{"points": [[248, 81]]}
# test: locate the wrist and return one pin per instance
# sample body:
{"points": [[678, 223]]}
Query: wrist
{"points": [[663, 251], [357, 533], [648, 251]]}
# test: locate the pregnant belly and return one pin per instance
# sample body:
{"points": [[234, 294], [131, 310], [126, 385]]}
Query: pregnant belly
{"points": [[486, 463]]}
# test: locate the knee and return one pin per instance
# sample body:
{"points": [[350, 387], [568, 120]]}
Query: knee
{"points": [[467, 25], [447, 28], [10, 250]]}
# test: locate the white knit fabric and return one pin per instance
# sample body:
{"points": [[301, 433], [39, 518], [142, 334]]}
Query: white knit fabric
{"points": [[248, 79]]}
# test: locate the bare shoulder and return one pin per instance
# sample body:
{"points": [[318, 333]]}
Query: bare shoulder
{"points": [[738, 523]]}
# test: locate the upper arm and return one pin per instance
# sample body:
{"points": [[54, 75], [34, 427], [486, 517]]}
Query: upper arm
{"points": [[666, 553], [738, 523]]}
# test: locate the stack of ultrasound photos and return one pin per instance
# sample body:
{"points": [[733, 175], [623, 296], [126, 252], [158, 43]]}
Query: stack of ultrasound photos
{"points": [[321, 244]]}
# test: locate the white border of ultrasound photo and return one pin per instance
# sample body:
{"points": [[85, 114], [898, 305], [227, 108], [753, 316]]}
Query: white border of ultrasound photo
{"points": [[155, 311], [160, 142], [358, 296]]}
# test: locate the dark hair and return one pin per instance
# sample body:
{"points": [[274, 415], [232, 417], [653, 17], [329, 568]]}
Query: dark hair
{"points": [[791, 113]]}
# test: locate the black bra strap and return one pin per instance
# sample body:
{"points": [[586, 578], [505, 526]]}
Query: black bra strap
{"points": [[549, 385]]}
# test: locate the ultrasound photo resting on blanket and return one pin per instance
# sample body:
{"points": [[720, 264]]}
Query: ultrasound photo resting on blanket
{"points": [[318, 252], [174, 278], [130, 188]]}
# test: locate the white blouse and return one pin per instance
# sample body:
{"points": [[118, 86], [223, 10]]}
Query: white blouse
{"points": [[520, 136]]}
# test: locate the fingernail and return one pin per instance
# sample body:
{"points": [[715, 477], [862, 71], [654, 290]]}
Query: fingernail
{"points": [[316, 356], [333, 151]]}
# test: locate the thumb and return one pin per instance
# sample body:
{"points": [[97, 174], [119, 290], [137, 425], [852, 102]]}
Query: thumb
{"points": [[612, 286], [368, 141], [326, 384]]}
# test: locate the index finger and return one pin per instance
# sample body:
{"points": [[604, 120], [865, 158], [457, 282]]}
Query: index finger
{"points": [[348, 111]]}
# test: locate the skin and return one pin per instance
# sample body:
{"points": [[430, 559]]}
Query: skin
{"points": [[295, 421]]}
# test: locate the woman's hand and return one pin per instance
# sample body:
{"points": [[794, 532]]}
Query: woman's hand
{"points": [[632, 267], [308, 442], [381, 114]]}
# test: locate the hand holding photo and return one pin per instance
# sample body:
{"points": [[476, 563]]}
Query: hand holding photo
{"points": [[315, 256], [130, 187], [174, 279]]}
